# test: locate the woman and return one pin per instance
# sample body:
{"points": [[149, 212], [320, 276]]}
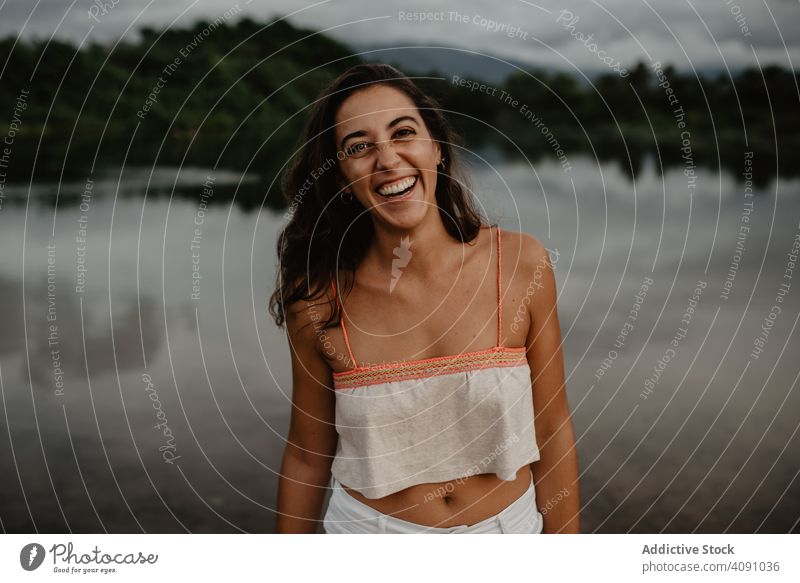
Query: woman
{"points": [[408, 401]]}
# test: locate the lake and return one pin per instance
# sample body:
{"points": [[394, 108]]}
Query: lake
{"points": [[146, 389]]}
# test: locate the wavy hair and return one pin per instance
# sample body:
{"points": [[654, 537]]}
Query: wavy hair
{"points": [[313, 243]]}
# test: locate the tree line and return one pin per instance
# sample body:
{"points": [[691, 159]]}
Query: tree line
{"points": [[234, 95]]}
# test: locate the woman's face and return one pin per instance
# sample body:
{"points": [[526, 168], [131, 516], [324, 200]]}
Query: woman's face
{"points": [[391, 158]]}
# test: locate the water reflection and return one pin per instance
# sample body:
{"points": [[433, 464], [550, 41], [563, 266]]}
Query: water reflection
{"points": [[713, 446]]}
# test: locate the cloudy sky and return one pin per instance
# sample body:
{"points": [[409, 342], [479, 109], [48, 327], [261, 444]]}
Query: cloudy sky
{"points": [[699, 34]]}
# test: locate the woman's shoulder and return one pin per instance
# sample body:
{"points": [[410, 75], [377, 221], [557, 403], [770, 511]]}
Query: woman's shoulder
{"points": [[522, 248], [527, 265], [310, 312]]}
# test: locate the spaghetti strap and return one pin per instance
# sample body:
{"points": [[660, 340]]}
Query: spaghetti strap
{"points": [[499, 293], [344, 330]]}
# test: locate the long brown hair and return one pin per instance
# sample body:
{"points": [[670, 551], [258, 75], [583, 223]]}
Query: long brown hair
{"points": [[313, 243]]}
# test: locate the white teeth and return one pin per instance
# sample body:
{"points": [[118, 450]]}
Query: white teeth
{"points": [[398, 186]]}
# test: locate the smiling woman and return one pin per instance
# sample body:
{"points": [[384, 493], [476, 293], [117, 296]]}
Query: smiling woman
{"points": [[396, 161], [443, 427]]}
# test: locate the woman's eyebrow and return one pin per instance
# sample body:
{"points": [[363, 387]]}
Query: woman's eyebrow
{"points": [[392, 123], [396, 121]]}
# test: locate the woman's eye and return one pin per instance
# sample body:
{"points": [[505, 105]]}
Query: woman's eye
{"points": [[357, 148], [404, 133]]}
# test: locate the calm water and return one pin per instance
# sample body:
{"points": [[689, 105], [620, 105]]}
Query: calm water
{"points": [[133, 401]]}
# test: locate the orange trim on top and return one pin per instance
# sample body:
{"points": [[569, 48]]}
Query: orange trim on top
{"points": [[344, 330], [495, 357], [499, 292]]}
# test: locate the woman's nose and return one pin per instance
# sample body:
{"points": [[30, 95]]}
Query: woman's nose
{"points": [[386, 156]]}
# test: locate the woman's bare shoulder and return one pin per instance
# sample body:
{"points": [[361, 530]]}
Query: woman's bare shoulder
{"points": [[522, 249], [306, 316]]}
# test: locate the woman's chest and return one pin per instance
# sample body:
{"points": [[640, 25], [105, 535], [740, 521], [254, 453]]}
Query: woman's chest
{"points": [[440, 404]]}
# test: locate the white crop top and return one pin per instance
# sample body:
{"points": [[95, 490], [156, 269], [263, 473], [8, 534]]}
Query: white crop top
{"points": [[436, 419]]}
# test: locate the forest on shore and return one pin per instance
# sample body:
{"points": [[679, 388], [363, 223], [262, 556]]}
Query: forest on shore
{"points": [[233, 95]]}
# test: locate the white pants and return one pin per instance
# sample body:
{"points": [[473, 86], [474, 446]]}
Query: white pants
{"points": [[346, 515]]}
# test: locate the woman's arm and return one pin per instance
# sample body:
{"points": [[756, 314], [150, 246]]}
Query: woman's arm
{"points": [[556, 473], [307, 458]]}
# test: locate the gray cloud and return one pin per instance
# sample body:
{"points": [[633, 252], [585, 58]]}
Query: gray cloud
{"points": [[704, 35]]}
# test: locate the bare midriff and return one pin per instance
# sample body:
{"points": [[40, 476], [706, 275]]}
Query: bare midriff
{"points": [[455, 502]]}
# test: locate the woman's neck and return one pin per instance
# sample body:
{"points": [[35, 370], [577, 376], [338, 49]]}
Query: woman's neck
{"points": [[421, 252]]}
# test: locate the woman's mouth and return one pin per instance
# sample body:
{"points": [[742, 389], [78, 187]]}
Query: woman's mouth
{"points": [[398, 190]]}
